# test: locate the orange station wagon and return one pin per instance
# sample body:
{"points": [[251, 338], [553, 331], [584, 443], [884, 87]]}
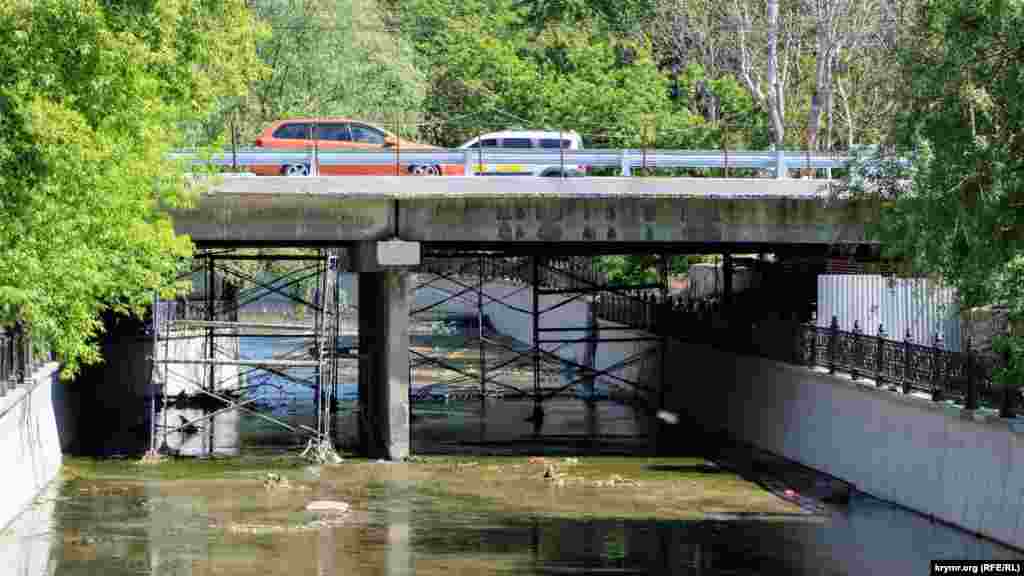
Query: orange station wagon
{"points": [[338, 135]]}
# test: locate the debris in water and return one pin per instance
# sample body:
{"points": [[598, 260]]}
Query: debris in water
{"points": [[273, 480], [335, 506], [152, 457], [670, 417]]}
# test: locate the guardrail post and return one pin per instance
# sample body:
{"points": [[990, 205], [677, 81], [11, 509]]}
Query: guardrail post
{"points": [[780, 163], [467, 161], [854, 373], [625, 163], [937, 391], [833, 340], [972, 385], [879, 355], [1006, 407], [907, 340]]}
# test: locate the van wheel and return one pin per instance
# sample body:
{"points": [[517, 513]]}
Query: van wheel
{"points": [[295, 170]]}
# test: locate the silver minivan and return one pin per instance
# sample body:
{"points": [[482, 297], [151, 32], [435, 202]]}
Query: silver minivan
{"points": [[508, 140]]}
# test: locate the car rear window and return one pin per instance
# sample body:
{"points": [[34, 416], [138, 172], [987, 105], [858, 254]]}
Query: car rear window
{"points": [[516, 143], [296, 130], [553, 143]]}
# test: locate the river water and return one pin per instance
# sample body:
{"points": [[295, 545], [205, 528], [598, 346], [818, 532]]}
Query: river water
{"points": [[470, 513]]}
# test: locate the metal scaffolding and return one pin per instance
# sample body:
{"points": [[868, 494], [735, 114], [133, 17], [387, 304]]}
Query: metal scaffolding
{"points": [[212, 319], [536, 367], [500, 282]]}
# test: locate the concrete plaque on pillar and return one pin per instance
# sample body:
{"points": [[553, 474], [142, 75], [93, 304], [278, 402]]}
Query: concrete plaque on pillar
{"points": [[398, 253], [378, 256]]}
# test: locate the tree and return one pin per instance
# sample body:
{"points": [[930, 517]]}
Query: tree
{"points": [[325, 58], [963, 217], [770, 91], [494, 64], [92, 96]]}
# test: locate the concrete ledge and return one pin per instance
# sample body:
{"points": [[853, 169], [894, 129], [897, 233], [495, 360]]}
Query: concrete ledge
{"points": [[963, 468], [398, 187], [30, 452]]}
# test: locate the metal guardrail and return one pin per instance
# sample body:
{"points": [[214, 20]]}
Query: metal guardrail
{"points": [[626, 160]]}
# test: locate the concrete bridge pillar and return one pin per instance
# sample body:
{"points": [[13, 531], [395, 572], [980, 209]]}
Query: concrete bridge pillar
{"points": [[384, 299]]}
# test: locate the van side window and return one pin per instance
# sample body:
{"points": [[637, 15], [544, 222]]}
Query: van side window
{"points": [[517, 143], [334, 131], [553, 143], [490, 143], [293, 130], [364, 133]]}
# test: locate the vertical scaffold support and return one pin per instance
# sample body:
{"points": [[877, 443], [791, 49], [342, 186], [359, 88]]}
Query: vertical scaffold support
{"points": [[538, 409], [321, 446], [211, 351], [662, 330]]}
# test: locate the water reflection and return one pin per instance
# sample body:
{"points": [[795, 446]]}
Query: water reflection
{"points": [[201, 432], [114, 528]]}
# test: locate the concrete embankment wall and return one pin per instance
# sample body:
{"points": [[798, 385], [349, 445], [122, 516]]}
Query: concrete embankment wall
{"points": [[30, 446], [903, 449]]}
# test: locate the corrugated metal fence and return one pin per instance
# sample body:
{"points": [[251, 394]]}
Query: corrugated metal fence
{"points": [[898, 304]]}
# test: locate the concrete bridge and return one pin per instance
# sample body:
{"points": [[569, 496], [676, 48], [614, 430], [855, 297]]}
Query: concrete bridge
{"points": [[578, 215], [539, 216]]}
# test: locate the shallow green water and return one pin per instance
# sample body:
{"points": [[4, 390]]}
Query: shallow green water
{"points": [[467, 514]]}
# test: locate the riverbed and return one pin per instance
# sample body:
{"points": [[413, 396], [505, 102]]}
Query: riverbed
{"points": [[485, 493]]}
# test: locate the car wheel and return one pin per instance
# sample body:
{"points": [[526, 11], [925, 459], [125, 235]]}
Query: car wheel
{"points": [[424, 170], [295, 170]]}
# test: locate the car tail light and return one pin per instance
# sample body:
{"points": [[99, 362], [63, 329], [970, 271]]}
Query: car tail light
{"points": [[259, 141]]}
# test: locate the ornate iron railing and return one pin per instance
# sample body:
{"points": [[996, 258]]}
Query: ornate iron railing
{"points": [[966, 378], [18, 358]]}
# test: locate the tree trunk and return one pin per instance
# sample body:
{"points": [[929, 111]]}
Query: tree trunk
{"points": [[775, 96]]}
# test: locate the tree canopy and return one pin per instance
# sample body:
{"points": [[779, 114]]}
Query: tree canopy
{"points": [[963, 217], [92, 95]]}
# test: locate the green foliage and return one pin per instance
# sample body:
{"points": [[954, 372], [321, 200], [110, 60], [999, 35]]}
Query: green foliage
{"points": [[638, 269], [91, 98], [496, 63], [325, 58], [963, 217]]}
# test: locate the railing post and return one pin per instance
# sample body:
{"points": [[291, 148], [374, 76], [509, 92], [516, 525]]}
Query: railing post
{"points": [[833, 341], [467, 161], [1006, 407], [972, 385], [797, 341], [879, 356], [907, 340], [780, 163], [937, 391], [19, 353], [4, 362], [855, 364], [625, 163]]}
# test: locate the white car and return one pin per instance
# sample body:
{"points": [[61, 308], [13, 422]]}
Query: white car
{"points": [[509, 140]]}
